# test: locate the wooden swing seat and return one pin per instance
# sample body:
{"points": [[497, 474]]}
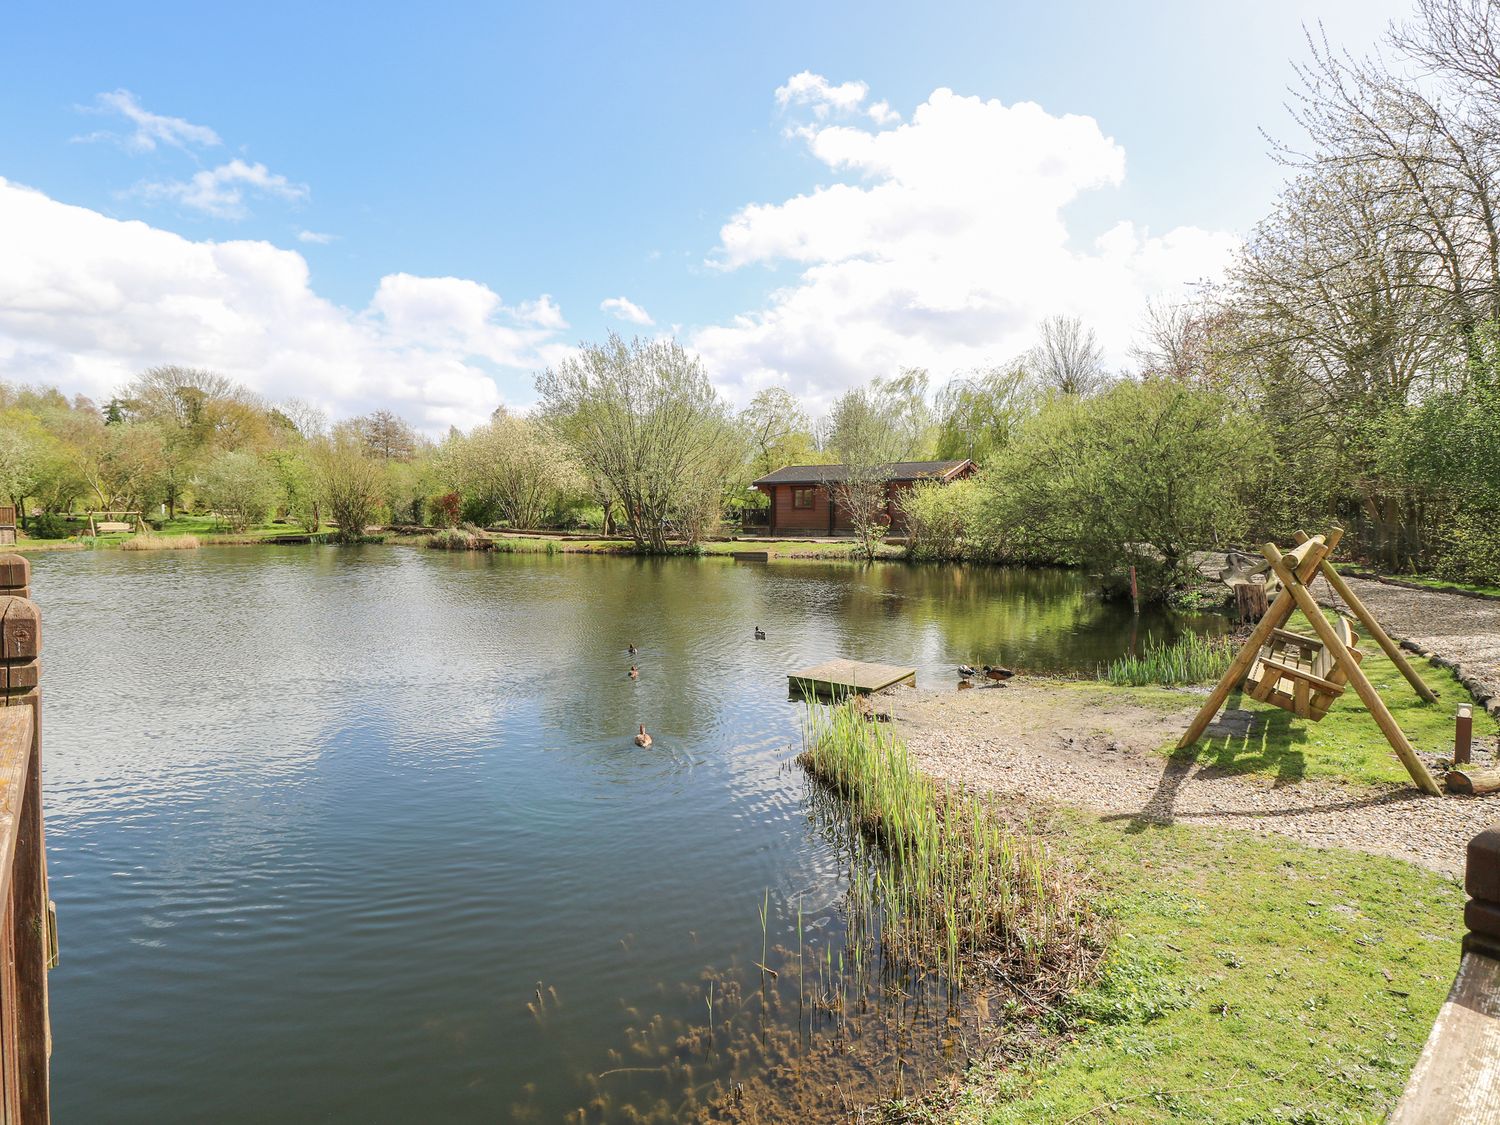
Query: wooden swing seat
{"points": [[1298, 674]]}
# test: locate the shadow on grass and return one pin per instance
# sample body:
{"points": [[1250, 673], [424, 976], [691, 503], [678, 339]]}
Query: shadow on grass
{"points": [[1272, 746]]}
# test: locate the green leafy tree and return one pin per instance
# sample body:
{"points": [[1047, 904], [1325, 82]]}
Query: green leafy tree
{"points": [[1141, 475], [239, 487], [350, 481], [642, 418]]}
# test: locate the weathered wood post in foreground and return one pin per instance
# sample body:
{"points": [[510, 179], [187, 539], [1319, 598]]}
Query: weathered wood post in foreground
{"points": [[27, 930], [1457, 1078]]}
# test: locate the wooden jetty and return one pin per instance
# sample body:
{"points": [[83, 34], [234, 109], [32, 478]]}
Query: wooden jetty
{"points": [[28, 925], [750, 556], [1457, 1077], [839, 678]]}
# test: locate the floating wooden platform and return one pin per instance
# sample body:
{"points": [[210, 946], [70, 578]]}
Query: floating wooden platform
{"points": [[751, 556], [843, 677]]}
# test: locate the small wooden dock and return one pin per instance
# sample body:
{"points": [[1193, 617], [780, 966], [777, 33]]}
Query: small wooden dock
{"points": [[750, 556], [839, 678]]}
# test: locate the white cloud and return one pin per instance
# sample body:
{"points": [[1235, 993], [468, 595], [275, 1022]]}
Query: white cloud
{"points": [[945, 249], [824, 97], [151, 129], [220, 191], [317, 238], [623, 308], [88, 301], [814, 90]]}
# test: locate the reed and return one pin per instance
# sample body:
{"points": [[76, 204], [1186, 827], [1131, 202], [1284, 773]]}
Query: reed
{"points": [[148, 541], [1190, 659], [946, 885]]}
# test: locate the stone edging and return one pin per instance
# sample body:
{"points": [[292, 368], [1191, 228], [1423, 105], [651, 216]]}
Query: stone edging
{"points": [[1478, 690], [1369, 576]]}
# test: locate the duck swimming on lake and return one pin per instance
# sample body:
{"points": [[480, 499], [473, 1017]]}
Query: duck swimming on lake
{"points": [[630, 648], [635, 673], [643, 739], [760, 634]]}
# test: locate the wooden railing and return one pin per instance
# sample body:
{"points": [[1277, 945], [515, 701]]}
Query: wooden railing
{"points": [[1457, 1078], [28, 932]]}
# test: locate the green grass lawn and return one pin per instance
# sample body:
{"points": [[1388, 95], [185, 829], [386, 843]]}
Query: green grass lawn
{"points": [[1347, 744], [1444, 584], [208, 531], [1247, 982]]}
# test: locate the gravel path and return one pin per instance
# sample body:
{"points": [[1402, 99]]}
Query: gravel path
{"points": [[1032, 738], [1458, 632]]}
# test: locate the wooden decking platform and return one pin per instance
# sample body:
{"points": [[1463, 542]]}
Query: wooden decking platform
{"points": [[1457, 1078], [843, 677], [751, 556]]}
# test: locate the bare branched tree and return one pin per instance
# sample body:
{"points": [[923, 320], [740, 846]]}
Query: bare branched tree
{"points": [[1067, 357]]}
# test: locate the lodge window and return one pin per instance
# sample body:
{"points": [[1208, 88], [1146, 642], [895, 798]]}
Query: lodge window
{"points": [[802, 497]]}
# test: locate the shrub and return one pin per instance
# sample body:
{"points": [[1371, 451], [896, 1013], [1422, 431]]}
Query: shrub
{"points": [[937, 518], [47, 525], [446, 509]]}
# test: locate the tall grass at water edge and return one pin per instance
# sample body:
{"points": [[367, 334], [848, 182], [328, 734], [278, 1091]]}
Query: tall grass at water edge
{"points": [[1190, 659], [146, 541], [950, 885]]}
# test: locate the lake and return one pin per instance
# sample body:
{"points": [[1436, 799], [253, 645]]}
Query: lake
{"points": [[361, 834]]}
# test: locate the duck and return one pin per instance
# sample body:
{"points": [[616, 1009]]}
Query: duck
{"points": [[999, 675], [630, 648], [635, 673], [965, 670], [643, 739], [760, 634]]}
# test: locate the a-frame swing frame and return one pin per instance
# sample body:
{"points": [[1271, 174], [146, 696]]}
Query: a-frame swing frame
{"points": [[1295, 568]]}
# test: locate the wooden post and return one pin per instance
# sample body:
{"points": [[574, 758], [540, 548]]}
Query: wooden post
{"points": [[1292, 583], [27, 921], [1372, 626], [1135, 593], [1463, 734], [1250, 600], [1308, 556]]}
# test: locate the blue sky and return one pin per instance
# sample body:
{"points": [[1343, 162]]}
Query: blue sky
{"points": [[590, 152]]}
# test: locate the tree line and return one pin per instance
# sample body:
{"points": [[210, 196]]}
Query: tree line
{"points": [[1347, 367]]}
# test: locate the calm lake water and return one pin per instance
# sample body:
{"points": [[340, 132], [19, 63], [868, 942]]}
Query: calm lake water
{"points": [[320, 822]]}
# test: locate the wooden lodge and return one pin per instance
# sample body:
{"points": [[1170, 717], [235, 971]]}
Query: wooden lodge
{"points": [[803, 501]]}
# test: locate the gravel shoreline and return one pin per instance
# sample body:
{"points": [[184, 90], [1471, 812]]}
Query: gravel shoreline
{"points": [[1037, 740]]}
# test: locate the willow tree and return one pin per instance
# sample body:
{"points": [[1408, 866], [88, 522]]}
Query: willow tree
{"points": [[643, 418], [513, 466], [350, 481]]}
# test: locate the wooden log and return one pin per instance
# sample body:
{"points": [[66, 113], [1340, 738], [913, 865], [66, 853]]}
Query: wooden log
{"points": [[1463, 734], [1292, 584], [1372, 626], [1250, 601], [1474, 781], [1311, 553]]}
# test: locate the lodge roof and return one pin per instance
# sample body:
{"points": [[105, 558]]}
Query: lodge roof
{"points": [[832, 474]]}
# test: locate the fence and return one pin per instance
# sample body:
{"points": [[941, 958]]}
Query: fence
{"points": [[28, 931]]}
